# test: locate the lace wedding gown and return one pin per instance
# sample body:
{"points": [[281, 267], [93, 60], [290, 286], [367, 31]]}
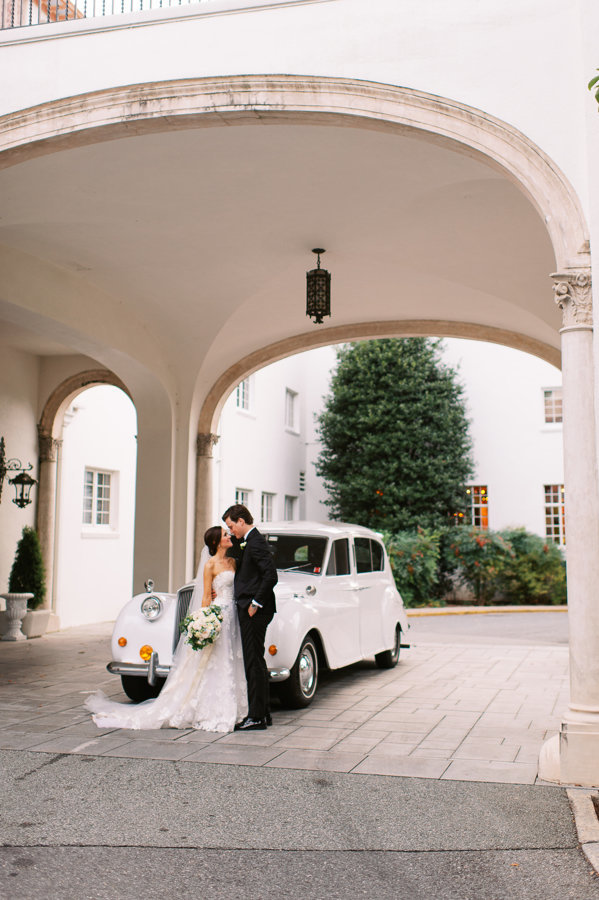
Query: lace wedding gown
{"points": [[205, 688]]}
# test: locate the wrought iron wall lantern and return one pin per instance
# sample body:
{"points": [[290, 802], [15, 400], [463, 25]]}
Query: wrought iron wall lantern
{"points": [[318, 291], [22, 482]]}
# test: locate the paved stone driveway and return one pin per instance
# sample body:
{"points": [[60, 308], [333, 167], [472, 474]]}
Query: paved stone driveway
{"points": [[468, 713]]}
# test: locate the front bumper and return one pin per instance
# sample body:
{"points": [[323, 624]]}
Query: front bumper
{"points": [[152, 670], [279, 674]]}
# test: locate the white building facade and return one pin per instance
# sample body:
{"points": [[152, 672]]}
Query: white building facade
{"points": [[266, 453]]}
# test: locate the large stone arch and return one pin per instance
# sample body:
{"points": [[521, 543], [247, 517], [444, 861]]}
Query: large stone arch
{"points": [[49, 429], [309, 340], [267, 99]]}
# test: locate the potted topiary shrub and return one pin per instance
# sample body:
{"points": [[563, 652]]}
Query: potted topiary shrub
{"points": [[26, 591]]}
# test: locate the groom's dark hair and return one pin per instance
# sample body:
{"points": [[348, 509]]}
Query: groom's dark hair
{"points": [[238, 511]]}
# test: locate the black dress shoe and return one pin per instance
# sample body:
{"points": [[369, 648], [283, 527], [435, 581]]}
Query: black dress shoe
{"points": [[239, 724], [250, 724], [268, 719]]}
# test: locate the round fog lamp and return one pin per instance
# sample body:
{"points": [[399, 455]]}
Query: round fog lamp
{"points": [[273, 649], [151, 607], [122, 642], [146, 652]]}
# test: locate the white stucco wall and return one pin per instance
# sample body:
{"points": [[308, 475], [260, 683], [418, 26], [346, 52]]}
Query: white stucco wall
{"points": [[515, 452], [256, 449], [18, 402], [520, 60], [95, 566]]}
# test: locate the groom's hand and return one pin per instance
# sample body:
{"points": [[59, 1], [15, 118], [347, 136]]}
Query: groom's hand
{"points": [[252, 610]]}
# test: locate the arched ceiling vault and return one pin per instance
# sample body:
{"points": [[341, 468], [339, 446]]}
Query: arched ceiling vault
{"points": [[199, 232]]}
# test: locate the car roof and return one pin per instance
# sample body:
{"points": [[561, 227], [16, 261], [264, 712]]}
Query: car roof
{"points": [[321, 529]]}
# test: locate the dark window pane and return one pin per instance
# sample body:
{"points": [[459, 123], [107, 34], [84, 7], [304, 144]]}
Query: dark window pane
{"points": [[378, 557], [297, 552], [339, 560], [363, 561]]}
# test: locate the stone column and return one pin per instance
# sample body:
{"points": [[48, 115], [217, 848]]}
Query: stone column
{"points": [[49, 448], [573, 756], [204, 478]]}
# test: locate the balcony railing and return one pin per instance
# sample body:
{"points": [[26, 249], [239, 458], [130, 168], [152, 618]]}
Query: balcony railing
{"points": [[19, 13]]}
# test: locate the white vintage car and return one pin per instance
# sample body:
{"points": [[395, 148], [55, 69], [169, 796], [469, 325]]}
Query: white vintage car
{"points": [[336, 604]]}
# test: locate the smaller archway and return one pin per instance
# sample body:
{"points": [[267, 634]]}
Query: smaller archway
{"points": [[50, 430], [95, 507]]}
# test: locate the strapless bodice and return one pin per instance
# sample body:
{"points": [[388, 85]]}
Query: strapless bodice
{"points": [[223, 585]]}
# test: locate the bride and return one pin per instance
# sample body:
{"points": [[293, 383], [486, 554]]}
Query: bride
{"points": [[206, 688]]}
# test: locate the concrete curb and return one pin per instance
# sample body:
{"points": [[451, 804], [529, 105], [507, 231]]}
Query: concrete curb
{"points": [[478, 610], [587, 823]]}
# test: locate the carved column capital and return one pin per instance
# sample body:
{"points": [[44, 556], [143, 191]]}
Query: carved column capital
{"points": [[204, 444], [572, 292], [48, 446]]}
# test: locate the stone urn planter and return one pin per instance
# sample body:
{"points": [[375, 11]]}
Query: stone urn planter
{"points": [[16, 608]]}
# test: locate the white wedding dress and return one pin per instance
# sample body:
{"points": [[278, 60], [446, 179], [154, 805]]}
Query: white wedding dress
{"points": [[205, 689]]}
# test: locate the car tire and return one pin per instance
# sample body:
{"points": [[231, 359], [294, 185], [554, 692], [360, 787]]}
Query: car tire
{"points": [[137, 688], [299, 689], [388, 659]]}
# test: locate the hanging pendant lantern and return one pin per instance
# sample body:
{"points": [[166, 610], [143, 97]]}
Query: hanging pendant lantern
{"points": [[318, 291]]}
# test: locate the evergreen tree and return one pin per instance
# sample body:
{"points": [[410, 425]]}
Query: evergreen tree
{"points": [[28, 575], [396, 447]]}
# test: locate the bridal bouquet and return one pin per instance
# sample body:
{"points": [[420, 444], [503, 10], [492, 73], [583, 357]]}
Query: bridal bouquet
{"points": [[203, 626]]}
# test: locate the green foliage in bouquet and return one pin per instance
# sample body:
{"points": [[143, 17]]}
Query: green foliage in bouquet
{"points": [[28, 575], [203, 626]]}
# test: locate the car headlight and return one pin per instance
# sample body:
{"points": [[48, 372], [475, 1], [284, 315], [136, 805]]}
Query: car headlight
{"points": [[151, 607]]}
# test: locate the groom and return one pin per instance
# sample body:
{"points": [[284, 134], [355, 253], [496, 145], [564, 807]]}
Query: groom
{"points": [[255, 578]]}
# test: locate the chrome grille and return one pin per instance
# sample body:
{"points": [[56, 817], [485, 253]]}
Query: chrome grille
{"points": [[183, 601]]}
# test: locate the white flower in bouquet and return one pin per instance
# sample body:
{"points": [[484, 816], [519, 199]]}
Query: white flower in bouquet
{"points": [[202, 627]]}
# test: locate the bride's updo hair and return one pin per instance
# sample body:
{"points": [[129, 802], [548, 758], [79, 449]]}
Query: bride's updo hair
{"points": [[212, 538]]}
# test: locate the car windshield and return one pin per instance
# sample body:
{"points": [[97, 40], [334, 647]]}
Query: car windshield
{"points": [[297, 552]]}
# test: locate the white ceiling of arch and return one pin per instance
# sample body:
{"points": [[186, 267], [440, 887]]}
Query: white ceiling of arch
{"points": [[208, 232]]}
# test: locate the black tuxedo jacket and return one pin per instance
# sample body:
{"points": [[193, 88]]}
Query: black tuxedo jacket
{"points": [[255, 575]]}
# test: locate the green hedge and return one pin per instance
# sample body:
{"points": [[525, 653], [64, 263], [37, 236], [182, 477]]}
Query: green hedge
{"points": [[537, 574], [414, 558], [511, 566]]}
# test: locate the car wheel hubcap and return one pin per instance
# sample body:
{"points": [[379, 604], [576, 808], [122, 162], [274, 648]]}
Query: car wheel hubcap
{"points": [[307, 671]]}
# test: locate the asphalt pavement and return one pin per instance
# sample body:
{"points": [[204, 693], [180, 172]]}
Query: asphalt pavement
{"points": [[100, 828], [524, 628]]}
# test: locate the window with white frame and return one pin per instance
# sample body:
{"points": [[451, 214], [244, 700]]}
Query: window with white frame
{"points": [[242, 495], [555, 517], [552, 400], [290, 409], [478, 497], [242, 397], [290, 507], [97, 497], [266, 507]]}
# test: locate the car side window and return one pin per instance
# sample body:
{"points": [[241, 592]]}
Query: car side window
{"points": [[378, 556], [339, 558], [363, 560]]}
